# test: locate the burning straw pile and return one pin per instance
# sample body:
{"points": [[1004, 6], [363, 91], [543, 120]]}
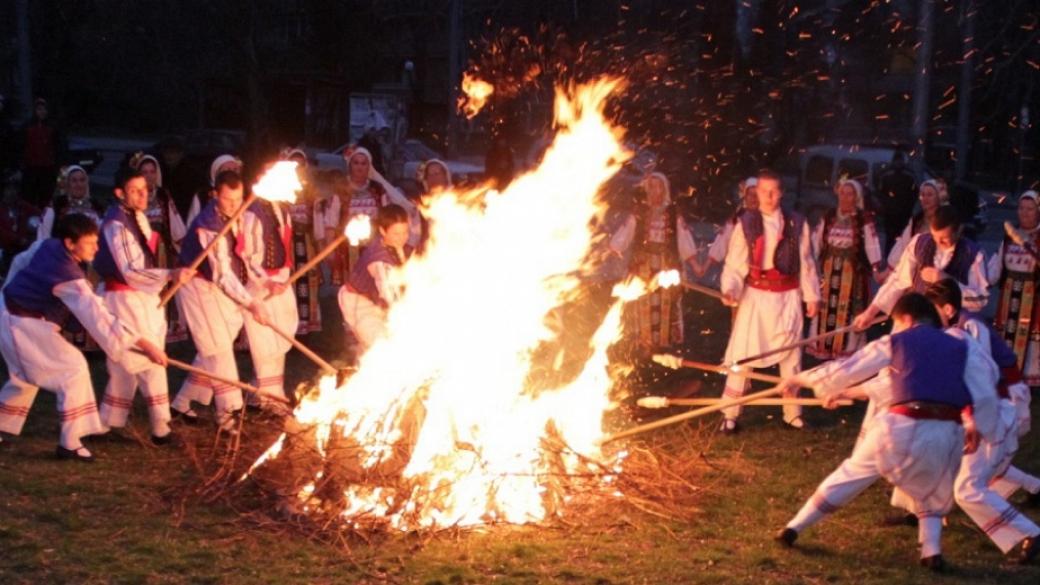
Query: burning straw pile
{"points": [[441, 426]]}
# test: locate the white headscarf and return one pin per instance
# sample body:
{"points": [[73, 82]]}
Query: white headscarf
{"points": [[140, 160], [219, 162], [288, 153], [66, 172], [423, 168], [856, 186], [664, 181], [742, 188], [940, 187], [1030, 194]]}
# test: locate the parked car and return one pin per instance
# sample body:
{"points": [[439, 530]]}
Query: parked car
{"points": [[83, 154], [403, 167]]}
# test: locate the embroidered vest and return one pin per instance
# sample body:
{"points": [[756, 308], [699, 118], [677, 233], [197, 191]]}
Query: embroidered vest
{"points": [[32, 289], [361, 279], [212, 220], [786, 259], [277, 238], [105, 263], [960, 264], [928, 365]]}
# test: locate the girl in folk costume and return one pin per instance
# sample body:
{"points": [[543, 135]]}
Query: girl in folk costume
{"points": [[213, 304], [224, 162], [435, 177], [1015, 270], [847, 246], [747, 195], [932, 194], [365, 192], [167, 223], [73, 198], [128, 263], [371, 290], [269, 261], [46, 284], [769, 273], [662, 242], [302, 212]]}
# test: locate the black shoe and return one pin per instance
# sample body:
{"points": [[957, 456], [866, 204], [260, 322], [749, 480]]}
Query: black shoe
{"points": [[935, 563], [899, 520], [1030, 548], [795, 424], [729, 426], [786, 536], [188, 417], [74, 454], [163, 440]]}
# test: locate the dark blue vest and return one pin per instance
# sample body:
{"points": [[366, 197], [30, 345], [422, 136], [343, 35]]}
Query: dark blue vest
{"points": [[104, 262], [928, 365], [786, 259], [209, 219], [274, 245], [959, 267], [32, 289], [999, 350], [361, 279]]}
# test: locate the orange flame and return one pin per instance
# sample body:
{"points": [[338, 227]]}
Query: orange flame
{"points": [[279, 183], [475, 94], [461, 343]]}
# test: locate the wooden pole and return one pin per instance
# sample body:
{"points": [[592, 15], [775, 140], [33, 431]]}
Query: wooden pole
{"points": [[703, 290], [302, 270], [303, 349], [675, 362], [664, 402], [209, 248], [806, 341], [236, 383], [671, 420]]}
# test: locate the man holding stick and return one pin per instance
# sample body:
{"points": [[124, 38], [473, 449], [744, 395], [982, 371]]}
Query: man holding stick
{"points": [[768, 274], [47, 287], [938, 380], [269, 261], [213, 303], [126, 262]]}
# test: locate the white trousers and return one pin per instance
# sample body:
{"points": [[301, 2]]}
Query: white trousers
{"points": [[366, 319], [38, 356], [736, 386], [204, 390], [120, 391]]}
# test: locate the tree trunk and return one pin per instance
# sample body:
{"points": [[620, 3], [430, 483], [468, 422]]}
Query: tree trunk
{"points": [[964, 134], [24, 78], [922, 80]]}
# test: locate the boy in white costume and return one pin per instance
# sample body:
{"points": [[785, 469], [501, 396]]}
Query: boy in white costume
{"points": [[935, 376], [46, 287], [131, 283], [213, 303], [769, 273]]}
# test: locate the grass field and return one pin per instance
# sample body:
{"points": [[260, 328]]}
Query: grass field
{"points": [[125, 519]]}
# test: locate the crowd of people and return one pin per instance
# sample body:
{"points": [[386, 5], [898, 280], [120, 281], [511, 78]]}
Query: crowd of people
{"points": [[87, 277]]}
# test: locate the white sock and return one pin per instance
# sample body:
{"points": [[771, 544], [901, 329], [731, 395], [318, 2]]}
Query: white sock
{"points": [[806, 517], [929, 534]]}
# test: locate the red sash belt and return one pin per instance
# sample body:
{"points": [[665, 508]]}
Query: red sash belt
{"points": [[772, 280], [927, 411], [113, 285]]}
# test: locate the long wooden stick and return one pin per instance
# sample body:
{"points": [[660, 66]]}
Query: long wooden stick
{"points": [[675, 362], [664, 402], [206, 374], [703, 290], [303, 349], [806, 341], [209, 248], [671, 420], [303, 270]]}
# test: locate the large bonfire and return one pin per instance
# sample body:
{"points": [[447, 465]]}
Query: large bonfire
{"points": [[441, 425]]}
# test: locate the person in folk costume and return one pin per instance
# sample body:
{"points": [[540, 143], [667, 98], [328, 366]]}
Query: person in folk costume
{"points": [[932, 194], [268, 256], [165, 221], [132, 279], [371, 289], [991, 512], [938, 381], [435, 177], [747, 196], [19, 220], [366, 191], [224, 162], [213, 304], [847, 245], [1016, 271], [660, 241], [73, 197], [303, 247], [931, 257], [47, 283], [768, 274]]}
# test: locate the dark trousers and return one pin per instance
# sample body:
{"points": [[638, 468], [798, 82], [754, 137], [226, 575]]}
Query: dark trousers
{"points": [[38, 185]]}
